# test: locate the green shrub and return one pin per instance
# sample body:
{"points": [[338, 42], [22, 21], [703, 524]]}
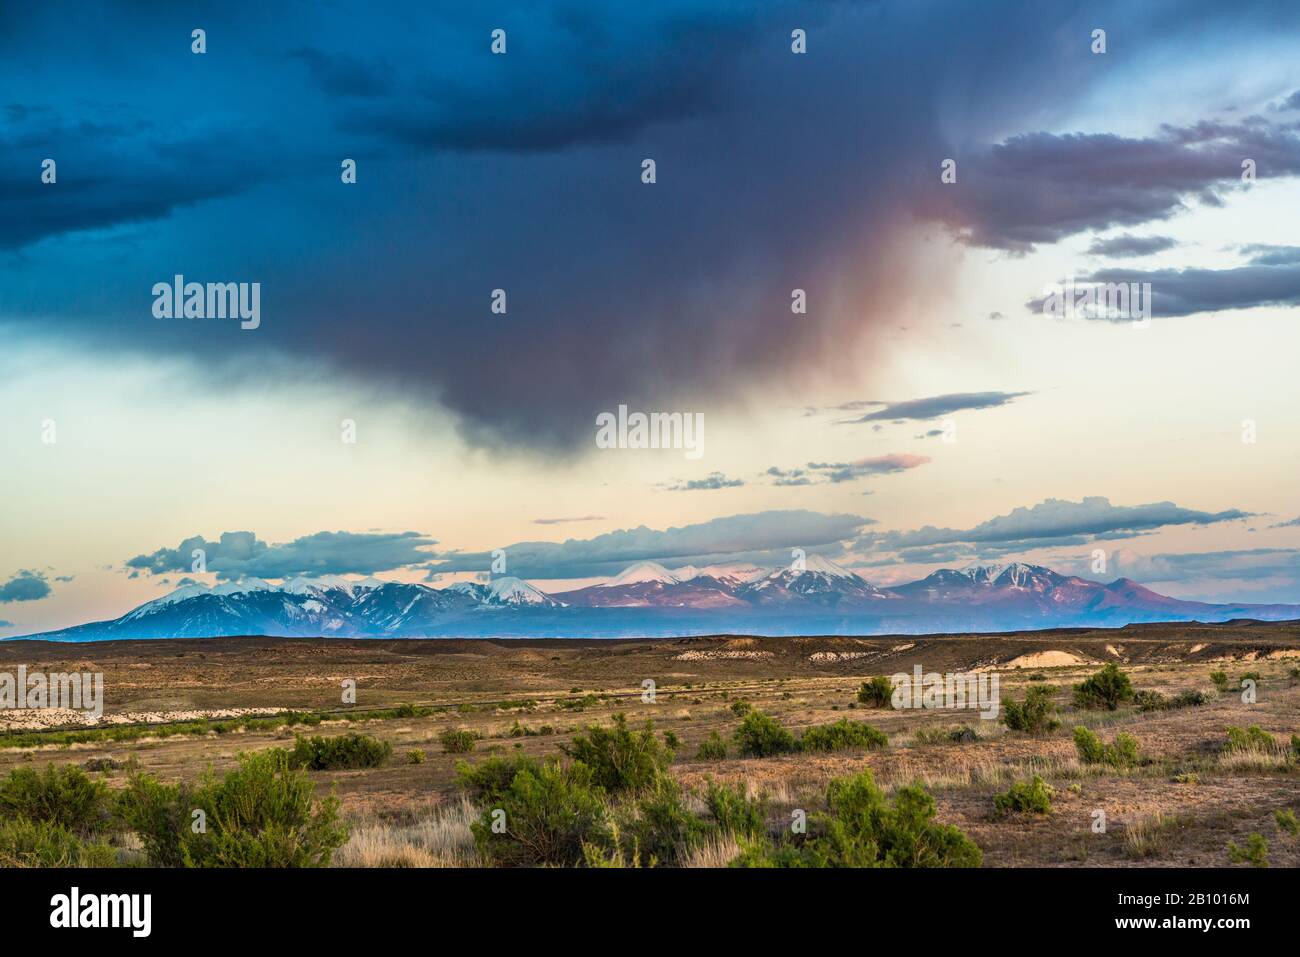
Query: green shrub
{"points": [[44, 843], [1253, 738], [1034, 714], [876, 693], [842, 734], [415, 756], [64, 796], [1151, 701], [657, 827], [761, 736], [1123, 753], [456, 741], [734, 812], [1107, 689], [543, 816], [672, 742], [1220, 680], [1254, 852], [712, 748], [345, 752], [863, 828], [1286, 821], [489, 780], [262, 814], [1033, 796], [740, 708], [621, 760]]}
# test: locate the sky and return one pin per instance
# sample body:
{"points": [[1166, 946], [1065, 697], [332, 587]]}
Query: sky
{"points": [[386, 417]]}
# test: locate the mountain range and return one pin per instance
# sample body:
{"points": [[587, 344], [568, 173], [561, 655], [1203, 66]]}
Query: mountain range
{"points": [[649, 600]]}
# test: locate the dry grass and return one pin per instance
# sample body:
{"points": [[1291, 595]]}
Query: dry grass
{"points": [[718, 851], [1149, 836], [443, 839], [1255, 759]]}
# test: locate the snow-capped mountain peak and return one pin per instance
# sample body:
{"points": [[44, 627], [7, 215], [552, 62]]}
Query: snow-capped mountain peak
{"points": [[641, 573], [515, 591], [647, 600]]}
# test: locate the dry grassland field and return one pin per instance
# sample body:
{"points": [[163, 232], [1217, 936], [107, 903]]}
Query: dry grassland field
{"points": [[1190, 796]]}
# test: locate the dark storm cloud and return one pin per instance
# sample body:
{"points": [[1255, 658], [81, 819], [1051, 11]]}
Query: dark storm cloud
{"points": [[238, 554], [1038, 188], [1127, 245], [734, 538], [340, 74], [522, 172], [932, 407], [118, 168], [656, 65], [1052, 522], [25, 586]]}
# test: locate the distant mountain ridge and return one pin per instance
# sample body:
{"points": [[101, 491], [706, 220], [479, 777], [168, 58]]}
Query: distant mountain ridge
{"points": [[646, 599]]}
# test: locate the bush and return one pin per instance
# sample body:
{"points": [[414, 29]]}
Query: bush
{"points": [[1155, 701], [733, 812], [44, 843], [1107, 689], [1286, 821], [1122, 754], [621, 760], [415, 756], [1253, 852], [761, 736], [262, 814], [1033, 796], [543, 816], [345, 752], [740, 708], [865, 829], [1034, 714], [456, 741], [488, 781], [1220, 680], [66, 797], [1253, 738], [657, 827], [712, 748], [842, 734], [876, 693]]}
